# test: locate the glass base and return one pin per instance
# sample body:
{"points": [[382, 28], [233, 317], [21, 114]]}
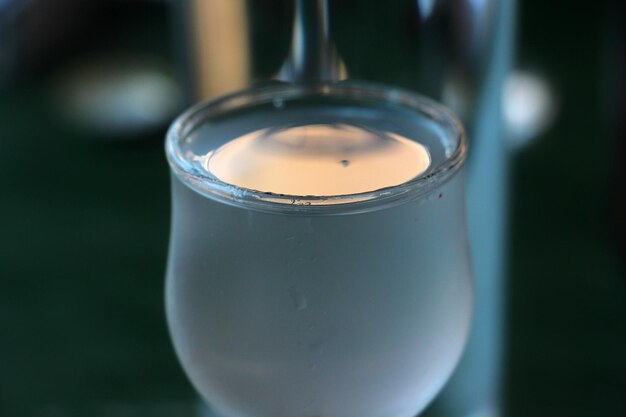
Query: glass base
{"points": [[205, 411]]}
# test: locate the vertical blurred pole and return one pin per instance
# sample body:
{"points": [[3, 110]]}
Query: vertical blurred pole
{"points": [[476, 387], [219, 46], [226, 45]]}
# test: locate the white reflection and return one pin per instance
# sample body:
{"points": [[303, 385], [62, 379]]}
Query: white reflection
{"points": [[528, 106], [115, 96], [426, 8]]}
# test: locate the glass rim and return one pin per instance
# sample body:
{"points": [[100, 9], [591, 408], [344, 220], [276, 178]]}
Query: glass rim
{"points": [[213, 187]]}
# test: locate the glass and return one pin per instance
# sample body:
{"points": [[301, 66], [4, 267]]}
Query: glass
{"points": [[457, 52], [350, 304]]}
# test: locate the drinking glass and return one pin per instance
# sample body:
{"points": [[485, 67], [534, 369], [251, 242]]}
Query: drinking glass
{"points": [[458, 52], [312, 271]]}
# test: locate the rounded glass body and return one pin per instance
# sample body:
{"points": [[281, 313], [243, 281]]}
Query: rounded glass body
{"points": [[318, 305]]}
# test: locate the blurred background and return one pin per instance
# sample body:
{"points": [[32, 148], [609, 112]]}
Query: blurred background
{"points": [[87, 90]]}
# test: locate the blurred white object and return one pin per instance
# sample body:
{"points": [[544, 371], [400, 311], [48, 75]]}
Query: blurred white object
{"points": [[529, 107], [119, 97]]}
